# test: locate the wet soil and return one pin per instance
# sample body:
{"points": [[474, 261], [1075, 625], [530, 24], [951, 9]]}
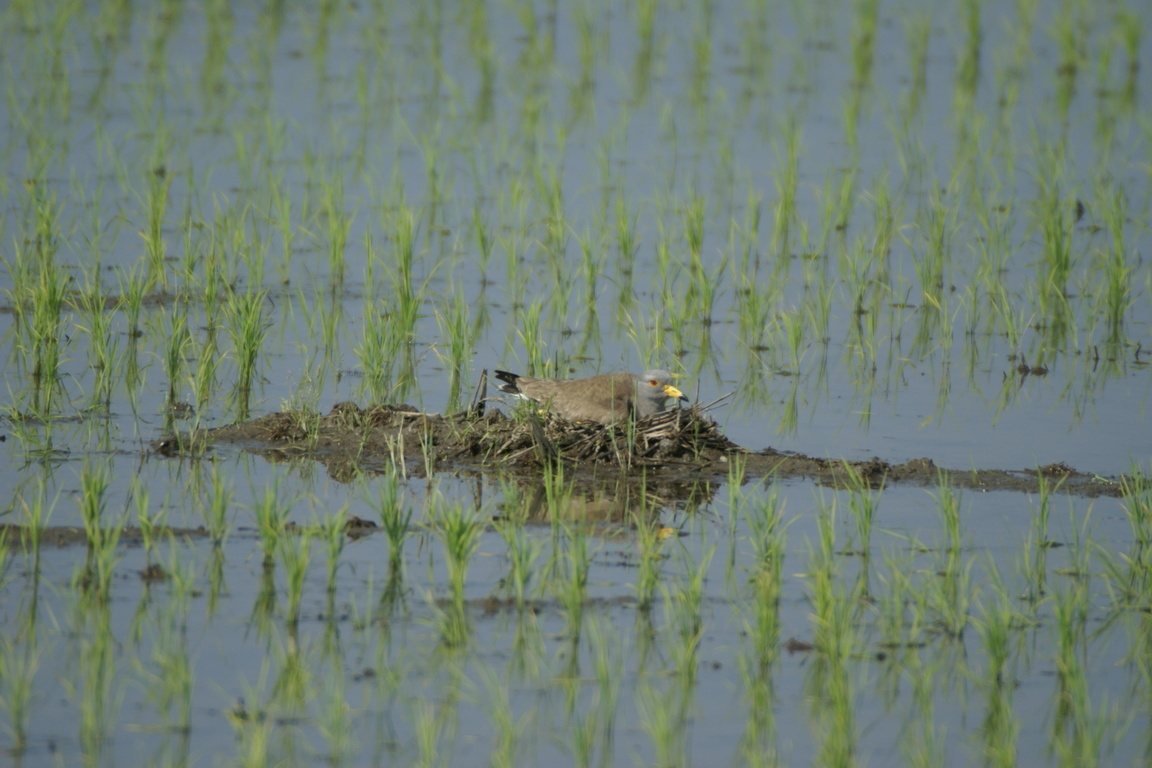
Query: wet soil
{"points": [[676, 455]]}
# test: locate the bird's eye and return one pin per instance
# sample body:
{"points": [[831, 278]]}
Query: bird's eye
{"points": [[653, 383]]}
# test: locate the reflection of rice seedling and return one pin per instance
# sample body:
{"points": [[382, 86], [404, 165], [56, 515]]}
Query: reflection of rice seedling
{"points": [[103, 536], [833, 635], [917, 31], [19, 663], [215, 507], [968, 69], [332, 529], [951, 595], [37, 511], [133, 288], [572, 591], [1137, 506], [862, 503], [995, 622], [94, 682], [151, 524], [296, 555], [663, 724], [864, 41], [459, 532], [271, 514], [523, 549], [395, 517], [684, 602], [650, 540]]}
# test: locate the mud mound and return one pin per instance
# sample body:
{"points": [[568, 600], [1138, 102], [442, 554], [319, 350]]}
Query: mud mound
{"points": [[681, 446], [401, 431], [678, 434]]}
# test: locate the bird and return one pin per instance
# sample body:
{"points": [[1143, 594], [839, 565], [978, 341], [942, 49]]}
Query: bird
{"points": [[607, 398]]}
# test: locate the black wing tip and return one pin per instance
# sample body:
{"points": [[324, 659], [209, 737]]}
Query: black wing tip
{"points": [[509, 380]]}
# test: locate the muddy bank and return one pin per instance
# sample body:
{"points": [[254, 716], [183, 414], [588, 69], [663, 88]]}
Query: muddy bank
{"points": [[681, 452]]}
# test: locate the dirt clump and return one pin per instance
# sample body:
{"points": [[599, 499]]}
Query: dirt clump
{"points": [[683, 446]]}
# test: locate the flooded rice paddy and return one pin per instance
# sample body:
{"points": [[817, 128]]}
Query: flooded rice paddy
{"points": [[910, 239]]}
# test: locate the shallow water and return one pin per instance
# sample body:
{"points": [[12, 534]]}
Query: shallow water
{"points": [[370, 656], [633, 187]]}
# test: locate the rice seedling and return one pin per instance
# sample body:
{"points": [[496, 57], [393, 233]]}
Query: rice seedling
{"points": [[338, 225], [1053, 217], [380, 343], [154, 204], [46, 340], [102, 346], [457, 330], [1117, 284], [247, 326], [177, 340], [133, 287]]}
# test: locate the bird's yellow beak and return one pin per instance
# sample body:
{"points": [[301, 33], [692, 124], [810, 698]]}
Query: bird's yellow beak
{"points": [[671, 391]]}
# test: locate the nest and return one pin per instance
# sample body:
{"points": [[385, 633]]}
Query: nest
{"points": [[683, 433]]}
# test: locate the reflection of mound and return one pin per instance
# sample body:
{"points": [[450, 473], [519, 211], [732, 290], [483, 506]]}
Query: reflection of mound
{"points": [[615, 500]]}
